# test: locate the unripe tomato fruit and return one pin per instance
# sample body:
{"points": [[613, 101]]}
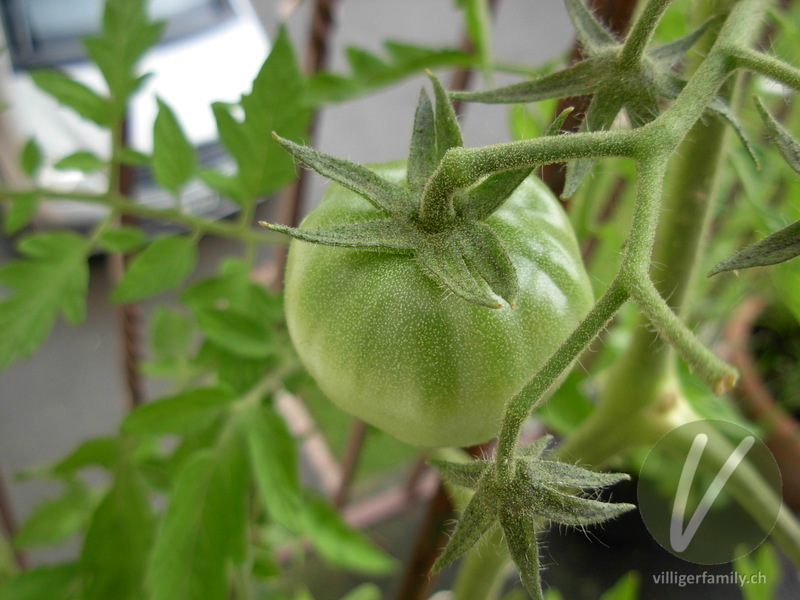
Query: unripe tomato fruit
{"points": [[390, 345]]}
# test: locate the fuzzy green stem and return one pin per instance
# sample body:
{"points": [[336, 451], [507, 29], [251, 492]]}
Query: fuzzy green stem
{"points": [[641, 33], [758, 62], [521, 405]]}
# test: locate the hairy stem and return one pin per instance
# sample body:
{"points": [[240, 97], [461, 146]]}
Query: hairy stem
{"points": [[758, 62], [642, 32], [521, 405]]}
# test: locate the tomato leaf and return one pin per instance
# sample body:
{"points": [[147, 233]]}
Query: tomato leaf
{"points": [[77, 96], [31, 157], [236, 331], [122, 520], [161, 266], [275, 103], [479, 27], [366, 591], [21, 212], [203, 527], [99, 451], [122, 239], [50, 281], [174, 159], [339, 544], [273, 459], [777, 247], [127, 33], [58, 582], [183, 413], [57, 519], [80, 161]]}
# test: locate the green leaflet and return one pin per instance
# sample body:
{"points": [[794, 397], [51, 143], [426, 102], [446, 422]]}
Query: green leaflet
{"points": [[174, 159]]}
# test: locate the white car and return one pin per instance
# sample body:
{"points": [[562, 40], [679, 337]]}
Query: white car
{"points": [[211, 51]]}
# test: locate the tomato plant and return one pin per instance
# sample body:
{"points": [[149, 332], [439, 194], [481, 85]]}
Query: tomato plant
{"points": [[441, 298]]}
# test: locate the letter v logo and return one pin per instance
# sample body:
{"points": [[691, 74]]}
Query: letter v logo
{"points": [[678, 537]]}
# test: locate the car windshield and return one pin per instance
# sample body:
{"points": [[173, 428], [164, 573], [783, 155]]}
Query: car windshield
{"points": [[44, 32]]}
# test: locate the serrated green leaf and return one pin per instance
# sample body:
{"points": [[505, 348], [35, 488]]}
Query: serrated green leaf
{"points": [[52, 280], [787, 145], [129, 156], [183, 413], [227, 186], [123, 239], [59, 582], [274, 104], [31, 157], [75, 95], [100, 451], [339, 544], [122, 520], [203, 527], [237, 332], [57, 519], [777, 247], [80, 161], [163, 265], [21, 212], [174, 159], [171, 336], [762, 570], [273, 460], [385, 195], [402, 60], [127, 33], [520, 536]]}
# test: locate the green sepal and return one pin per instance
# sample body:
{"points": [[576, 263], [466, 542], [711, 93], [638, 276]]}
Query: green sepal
{"points": [[720, 108], [480, 201], [565, 474], [787, 145], [535, 449], [591, 33], [422, 155], [558, 122], [471, 262], [381, 234], [478, 516], [602, 111], [466, 475], [448, 133], [385, 195], [671, 53], [579, 79], [574, 511], [776, 248], [520, 535]]}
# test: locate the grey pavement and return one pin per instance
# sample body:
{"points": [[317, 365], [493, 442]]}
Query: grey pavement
{"points": [[71, 388]]}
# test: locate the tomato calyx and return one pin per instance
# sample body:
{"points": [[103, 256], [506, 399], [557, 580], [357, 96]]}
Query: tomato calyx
{"points": [[536, 490], [445, 235]]}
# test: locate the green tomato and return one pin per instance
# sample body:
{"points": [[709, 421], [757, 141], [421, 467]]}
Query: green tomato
{"points": [[389, 344]]}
